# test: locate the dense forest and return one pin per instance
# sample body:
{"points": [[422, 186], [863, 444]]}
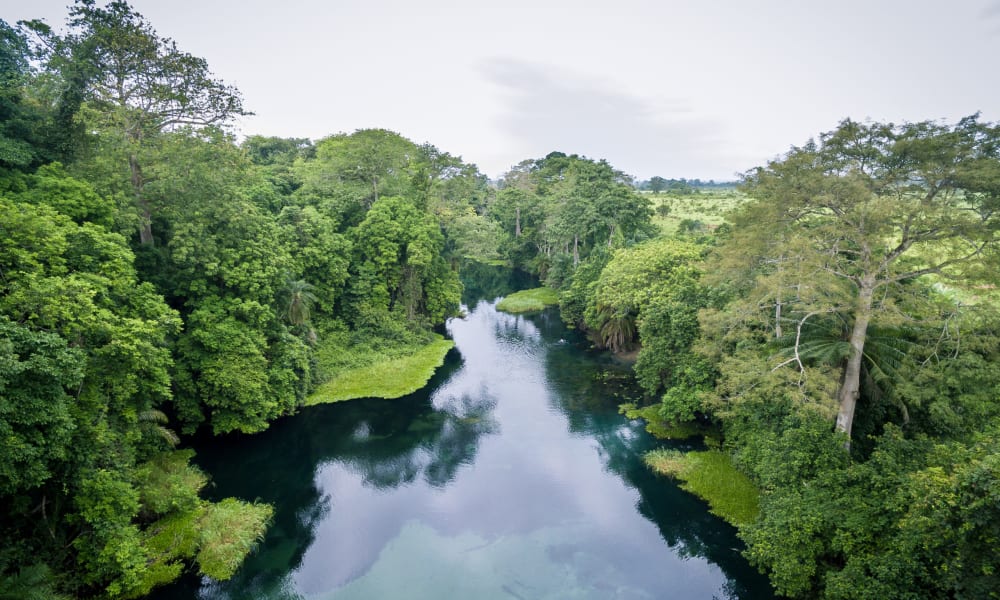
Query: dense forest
{"points": [[837, 336]]}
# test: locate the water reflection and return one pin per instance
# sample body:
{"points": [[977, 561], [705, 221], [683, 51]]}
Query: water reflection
{"points": [[589, 404], [510, 476]]}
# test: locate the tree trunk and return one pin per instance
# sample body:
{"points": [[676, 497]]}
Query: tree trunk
{"points": [[145, 213], [576, 250], [850, 390], [517, 222], [777, 318]]}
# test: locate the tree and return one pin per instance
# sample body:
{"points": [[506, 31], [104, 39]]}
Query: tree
{"points": [[558, 209], [136, 85], [657, 184], [21, 145], [869, 208], [398, 267], [300, 301], [615, 302], [366, 164]]}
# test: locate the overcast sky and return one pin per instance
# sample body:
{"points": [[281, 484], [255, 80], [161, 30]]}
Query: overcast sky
{"points": [[702, 89]]}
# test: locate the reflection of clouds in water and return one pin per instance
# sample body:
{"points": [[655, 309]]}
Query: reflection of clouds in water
{"points": [[391, 502], [434, 445], [514, 327]]}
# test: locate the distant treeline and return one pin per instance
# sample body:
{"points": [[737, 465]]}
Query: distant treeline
{"points": [[682, 186]]}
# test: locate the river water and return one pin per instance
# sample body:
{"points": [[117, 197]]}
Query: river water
{"points": [[511, 476]]}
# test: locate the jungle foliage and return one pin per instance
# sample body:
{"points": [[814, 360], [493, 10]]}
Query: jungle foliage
{"points": [[158, 277], [840, 333]]}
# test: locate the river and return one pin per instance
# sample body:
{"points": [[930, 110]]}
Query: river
{"points": [[511, 476]]}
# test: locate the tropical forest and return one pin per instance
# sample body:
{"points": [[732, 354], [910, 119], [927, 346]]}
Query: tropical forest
{"points": [[243, 366]]}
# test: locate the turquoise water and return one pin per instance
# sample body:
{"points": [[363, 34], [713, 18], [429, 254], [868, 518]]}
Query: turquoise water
{"points": [[510, 476]]}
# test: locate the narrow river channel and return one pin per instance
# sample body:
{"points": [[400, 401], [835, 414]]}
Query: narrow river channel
{"points": [[511, 476]]}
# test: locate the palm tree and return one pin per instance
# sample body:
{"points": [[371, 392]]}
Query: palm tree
{"points": [[823, 339], [617, 330], [154, 421], [300, 300]]}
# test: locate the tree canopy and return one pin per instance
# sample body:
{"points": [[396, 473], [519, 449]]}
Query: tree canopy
{"points": [[842, 226]]}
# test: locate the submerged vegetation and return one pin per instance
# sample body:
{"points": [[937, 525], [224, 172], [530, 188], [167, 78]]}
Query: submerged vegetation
{"points": [[158, 277]]}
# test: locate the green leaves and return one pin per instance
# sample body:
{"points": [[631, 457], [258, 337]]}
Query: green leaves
{"points": [[230, 529], [216, 535], [633, 279], [399, 266], [223, 365], [36, 424], [559, 209]]}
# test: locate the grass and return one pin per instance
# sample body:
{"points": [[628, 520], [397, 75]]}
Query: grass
{"points": [[532, 300], [711, 476], [707, 207], [230, 529], [377, 374]]}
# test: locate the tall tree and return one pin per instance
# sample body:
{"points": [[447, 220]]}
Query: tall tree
{"points": [[367, 164], [849, 220], [136, 85], [24, 132]]}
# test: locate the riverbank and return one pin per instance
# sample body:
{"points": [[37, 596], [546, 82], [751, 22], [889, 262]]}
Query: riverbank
{"points": [[377, 374], [711, 476]]}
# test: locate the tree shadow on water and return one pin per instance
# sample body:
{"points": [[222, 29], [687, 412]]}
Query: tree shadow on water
{"points": [[415, 440]]}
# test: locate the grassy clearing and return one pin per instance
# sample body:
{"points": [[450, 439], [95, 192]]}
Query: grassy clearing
{"points": [[711, 476], [529, 300], [706, 207], [378, 373]]}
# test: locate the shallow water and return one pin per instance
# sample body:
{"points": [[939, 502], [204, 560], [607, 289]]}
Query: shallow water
{"points": [[510, 476]]}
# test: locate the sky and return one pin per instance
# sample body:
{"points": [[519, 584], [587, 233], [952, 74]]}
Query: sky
{"points": [[677, 88]]}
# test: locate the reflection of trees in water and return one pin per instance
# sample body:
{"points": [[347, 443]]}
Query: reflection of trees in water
{"points": [[588, 387], [434, 444], [387, 443], [515, 330]]}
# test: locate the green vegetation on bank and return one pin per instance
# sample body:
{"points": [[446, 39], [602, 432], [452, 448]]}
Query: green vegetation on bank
{"points": [[375, 374], [529, 300], [851, 388], [158, 278], [809, 324], [661, 428], [710, 475]]}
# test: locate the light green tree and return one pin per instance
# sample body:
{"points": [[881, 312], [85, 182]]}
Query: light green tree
{"points": [[839, 226]]}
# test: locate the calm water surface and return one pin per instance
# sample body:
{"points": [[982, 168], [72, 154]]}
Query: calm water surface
{"points": [[511, 477]]}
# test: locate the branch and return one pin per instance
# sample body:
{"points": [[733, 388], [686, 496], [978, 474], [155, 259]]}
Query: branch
{"points": [[798, 338], [936, 268], [840, 274]]}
